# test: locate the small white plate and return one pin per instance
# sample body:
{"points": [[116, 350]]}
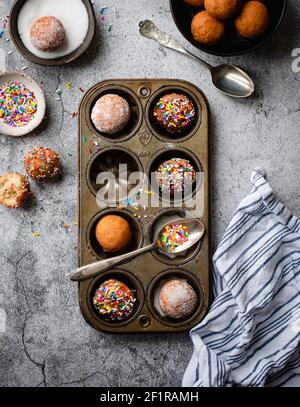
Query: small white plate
{"points": [[41, 108]]}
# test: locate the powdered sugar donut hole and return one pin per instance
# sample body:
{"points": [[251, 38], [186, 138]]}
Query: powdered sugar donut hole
{"points": [[175, 298]]}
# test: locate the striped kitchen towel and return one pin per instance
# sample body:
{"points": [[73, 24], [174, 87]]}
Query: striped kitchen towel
{"points": [[251, 335]]}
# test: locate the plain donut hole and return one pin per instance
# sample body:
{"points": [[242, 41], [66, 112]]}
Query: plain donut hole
{"points": [[136, 228]]}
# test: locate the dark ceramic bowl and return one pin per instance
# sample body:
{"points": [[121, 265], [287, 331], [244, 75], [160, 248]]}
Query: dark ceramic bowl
{"points": [[14, 33], [233, 43]]}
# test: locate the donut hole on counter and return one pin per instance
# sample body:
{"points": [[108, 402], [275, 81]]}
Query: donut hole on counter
{"points": [[136, 229], [135, 119], [154, 292], [130, 281], [158, 130], [169, 154], [169, 215], [109, 161]]}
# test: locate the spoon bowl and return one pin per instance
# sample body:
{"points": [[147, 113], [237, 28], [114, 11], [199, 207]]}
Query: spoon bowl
{"points": [[196, 232], [232, 81]]}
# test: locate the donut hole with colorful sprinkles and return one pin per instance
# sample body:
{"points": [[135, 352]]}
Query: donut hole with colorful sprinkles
{"points": [[175, 175], [174, 114], [111, 302]]}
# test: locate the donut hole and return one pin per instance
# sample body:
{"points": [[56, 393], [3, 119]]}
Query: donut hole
{"points": [[158, 130], [130, 281], [136, 229], [166, 155], [116, 171], [154, 291], [135, 119], [47, 34], [161, 219]]}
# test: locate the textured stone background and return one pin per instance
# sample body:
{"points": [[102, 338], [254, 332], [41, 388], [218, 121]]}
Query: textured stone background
{"points": [[47, 342]]}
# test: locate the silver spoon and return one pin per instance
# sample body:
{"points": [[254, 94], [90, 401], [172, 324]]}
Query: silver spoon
{"points": [[196, 231], [228, 79]]}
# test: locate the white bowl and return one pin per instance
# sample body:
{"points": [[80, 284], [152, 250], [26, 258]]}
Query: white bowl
{"points": [[40, 97]]}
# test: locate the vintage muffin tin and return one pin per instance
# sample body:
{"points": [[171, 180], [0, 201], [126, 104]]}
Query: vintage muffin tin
{"points": [[142, 146]]}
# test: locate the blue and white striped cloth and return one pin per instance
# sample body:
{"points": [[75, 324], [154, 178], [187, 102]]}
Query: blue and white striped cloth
{"points": [[251, 335]]}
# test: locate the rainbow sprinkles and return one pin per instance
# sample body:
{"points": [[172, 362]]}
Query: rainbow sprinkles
{"points": [[18, 104], [174, 236]]}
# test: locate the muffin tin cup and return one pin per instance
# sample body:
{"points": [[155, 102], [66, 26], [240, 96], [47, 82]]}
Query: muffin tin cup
{"points": [[137, 233], [159, 256], [111, 160], [162, 134], [125, 277], [135, 120], [167, 275], [142, 147], [165, 155]]}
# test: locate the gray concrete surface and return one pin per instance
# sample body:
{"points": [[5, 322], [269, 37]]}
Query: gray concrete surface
{"points": [[47, 342]]}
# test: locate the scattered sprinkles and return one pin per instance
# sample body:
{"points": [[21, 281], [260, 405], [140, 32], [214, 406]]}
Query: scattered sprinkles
{"points": [[18, 104], [174, 236], [114, 300], [3, 26], [175, 175], [69, 85], [174, 112]]}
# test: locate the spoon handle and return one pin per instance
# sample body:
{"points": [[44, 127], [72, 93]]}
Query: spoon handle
{"points": [[91, 270], [149, 30]]}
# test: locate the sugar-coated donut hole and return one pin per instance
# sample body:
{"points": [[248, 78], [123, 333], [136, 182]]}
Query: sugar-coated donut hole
{"points": [[47, 34], [110, 114], [135, 119], [154, 289]]}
